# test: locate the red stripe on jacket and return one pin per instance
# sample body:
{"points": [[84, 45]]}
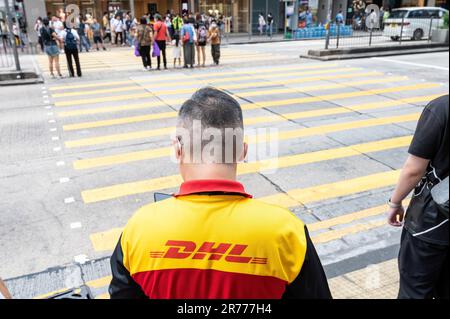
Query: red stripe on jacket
{"points": [[208, 284]]}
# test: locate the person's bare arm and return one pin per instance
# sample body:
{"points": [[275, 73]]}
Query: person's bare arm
{"points": [[412, 172], [4, 291]]}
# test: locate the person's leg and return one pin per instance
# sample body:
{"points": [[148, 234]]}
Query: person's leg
{"points": [[197, 47], [50, 65], [420, 265], [186, 55], [69, 62], [193, 55], [163, 52], [143, 56], [204, 55], [58, 68], [443, 285], [77, 62]]}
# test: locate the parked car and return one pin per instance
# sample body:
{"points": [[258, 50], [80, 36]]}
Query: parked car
{"points": [[416, 22]]}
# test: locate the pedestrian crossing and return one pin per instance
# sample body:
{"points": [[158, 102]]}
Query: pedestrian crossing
{"points": [[123, 59], [109, 128]]}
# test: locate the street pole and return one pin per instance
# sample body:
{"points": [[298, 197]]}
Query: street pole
{"points": [[10, 26]]}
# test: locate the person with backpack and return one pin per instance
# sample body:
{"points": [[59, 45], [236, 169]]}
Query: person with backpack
{"points": [[214, 38], [51, 40], [161, 37], [189, 36], [70, 37], [144, 41], [202, 39], [83, 37], [423, 257]]}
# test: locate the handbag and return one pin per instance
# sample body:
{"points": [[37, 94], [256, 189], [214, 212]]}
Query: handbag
{"points": [[137, 48], [156, 50], [440, 194]]}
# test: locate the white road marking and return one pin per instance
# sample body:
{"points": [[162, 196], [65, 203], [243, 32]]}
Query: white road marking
{"points": [[46, 101], [48, 107], [55, 138], [61, 163], [414, 64], [57, 149], [53, 129], [75, 225], [63, 180], [50, 113], [45, 96], [81, 259], [52, 121], [69, 200]]}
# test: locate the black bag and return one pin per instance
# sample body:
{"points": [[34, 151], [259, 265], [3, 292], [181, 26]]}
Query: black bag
{"points": [[423, 212], [440, 194]]}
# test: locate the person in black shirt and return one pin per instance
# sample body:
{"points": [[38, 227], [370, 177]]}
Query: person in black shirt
{"points": [[423, 256]]}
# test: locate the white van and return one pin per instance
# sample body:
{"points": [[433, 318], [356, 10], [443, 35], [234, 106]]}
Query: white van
{"points": [[416, 22]]}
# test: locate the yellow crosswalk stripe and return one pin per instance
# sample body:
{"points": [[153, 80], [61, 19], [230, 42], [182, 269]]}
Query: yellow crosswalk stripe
{"points": [[302, 196], [178, 101], [107, 240], [255, 105], [145, 186], [303, 132], [175, 83], [170, 77], [339, 233]]}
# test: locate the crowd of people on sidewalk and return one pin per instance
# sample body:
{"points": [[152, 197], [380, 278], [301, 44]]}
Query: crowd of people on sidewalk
{"points": [[150, 36]]}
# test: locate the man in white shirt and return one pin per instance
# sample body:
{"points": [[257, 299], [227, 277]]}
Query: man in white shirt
{"points": [[117, 25], [71, 40]]}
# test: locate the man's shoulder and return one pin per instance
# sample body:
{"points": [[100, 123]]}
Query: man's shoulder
{"points": [[271, 211]]}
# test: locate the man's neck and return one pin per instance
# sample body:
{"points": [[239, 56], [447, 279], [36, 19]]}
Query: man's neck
{"points": [[208, 171]]}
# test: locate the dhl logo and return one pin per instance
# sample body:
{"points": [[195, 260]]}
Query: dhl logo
{"points": [[232, 253]]}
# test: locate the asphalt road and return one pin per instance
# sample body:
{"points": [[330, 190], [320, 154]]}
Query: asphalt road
{"points": [[79, 156]]}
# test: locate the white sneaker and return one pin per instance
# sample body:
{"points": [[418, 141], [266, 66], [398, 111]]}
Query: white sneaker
{"points": [[145, 69], [149, 68]]}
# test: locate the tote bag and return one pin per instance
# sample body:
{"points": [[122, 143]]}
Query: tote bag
{"points": [[156, 50]]}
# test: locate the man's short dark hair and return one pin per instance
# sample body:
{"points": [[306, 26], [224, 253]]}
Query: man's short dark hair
{"points": [[207, 114], [214, 108]]}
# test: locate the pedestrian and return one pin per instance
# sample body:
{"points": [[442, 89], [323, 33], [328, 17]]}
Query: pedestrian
{"points": [[339, 17], [309, 19], [423, 258], [51, 42], [212, 240], [176, 42], [144, 40], [37, 28], [214, 38], [188, 36], [58, 26], [98, 35], [117, 26], [270, 24], [4, 292], [83, 35], [124, 30], [261, 23], [106, 27], [202, 39], [4, 33], [70, 37], [161, 37]]}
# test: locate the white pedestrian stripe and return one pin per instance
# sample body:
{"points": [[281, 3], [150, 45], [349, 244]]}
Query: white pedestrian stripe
{"points": [[64, 180], [53, 129], [52, 121], [57, 149], [75, 225], [55, 138], [69, 200], [81, 259], [60, 163], [421, 65]]}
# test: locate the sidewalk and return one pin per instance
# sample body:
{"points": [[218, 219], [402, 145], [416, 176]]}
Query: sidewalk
{"points": [[29, 74]]}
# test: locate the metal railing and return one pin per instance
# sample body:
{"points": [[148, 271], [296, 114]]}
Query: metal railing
{"points": [[391, 33]]}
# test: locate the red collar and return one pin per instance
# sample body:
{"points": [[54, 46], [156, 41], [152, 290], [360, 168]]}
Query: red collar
{"points": [[211, 186]]}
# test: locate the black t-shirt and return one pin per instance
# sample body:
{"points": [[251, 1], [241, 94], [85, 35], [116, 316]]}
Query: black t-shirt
{"points": [[431, 141], [46, 34]]}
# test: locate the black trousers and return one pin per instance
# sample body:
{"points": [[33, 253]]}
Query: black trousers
{"points": [[73, 54], [424, 269], [145, 55], [215, 52], [119, 34], [162, 48]]}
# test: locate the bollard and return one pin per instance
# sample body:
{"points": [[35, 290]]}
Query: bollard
{"points": [[431, 30], [370, 37], [401, 31], [327, 39]]}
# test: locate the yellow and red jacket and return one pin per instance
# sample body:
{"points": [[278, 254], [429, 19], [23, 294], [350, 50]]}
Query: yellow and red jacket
{"points": [[213, 241]]}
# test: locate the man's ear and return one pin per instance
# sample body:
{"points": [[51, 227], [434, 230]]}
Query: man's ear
{"points": [[244, 153], [178, 149]]}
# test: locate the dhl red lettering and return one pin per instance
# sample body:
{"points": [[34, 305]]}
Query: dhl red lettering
{"points": [[208, 248], [174, 250], [234, 255]]}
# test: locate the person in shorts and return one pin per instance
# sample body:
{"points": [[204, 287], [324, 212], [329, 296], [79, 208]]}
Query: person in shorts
{"points": [[51, 40], [98, 35]]}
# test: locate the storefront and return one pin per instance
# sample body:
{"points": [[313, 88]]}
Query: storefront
{"points": [[237, 11], [94, 8]]}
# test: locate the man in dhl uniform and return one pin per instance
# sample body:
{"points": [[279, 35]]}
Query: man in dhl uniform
{"points": [[212, 240]]}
